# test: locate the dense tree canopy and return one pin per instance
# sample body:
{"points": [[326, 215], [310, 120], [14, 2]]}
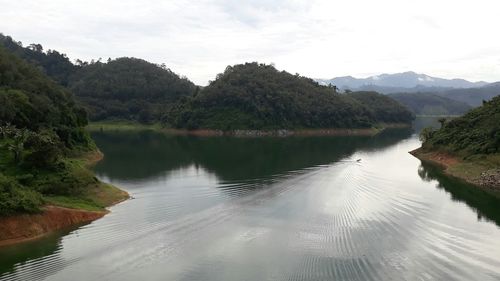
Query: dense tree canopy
{"points": [[248, 96], [128, 88], [257, 96], [383, 108], [125, 88], [476, 132], [431, 104], [39, 125], [56, 65], [30, 100]]}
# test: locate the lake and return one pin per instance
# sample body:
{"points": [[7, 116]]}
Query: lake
{"points": [[294, 208]]}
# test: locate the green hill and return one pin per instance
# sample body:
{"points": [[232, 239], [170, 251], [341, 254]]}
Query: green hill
{"points": [[128, 88], [257, 96], [468, 146], [54, 64], [125, 88], [473, 96], [477, 132], [382, 108], [30, 100], [41, 133], [431, 104]]}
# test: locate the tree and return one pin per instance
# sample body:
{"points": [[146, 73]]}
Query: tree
{"points": [[426, 134], [442, 121], [45, 148], [16, 146]]}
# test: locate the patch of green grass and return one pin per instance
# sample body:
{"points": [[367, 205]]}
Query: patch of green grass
{"points": [[95, 198], [473, 166], [69, 183], [121, 126], [73, 203], [437, 115]]}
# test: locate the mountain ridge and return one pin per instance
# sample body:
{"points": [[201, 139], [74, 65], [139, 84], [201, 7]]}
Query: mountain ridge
{"points": [[402, 80]]}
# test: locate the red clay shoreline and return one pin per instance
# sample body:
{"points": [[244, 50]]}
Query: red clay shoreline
{"points": [[446, 160], [27, 227], [20, 228]]}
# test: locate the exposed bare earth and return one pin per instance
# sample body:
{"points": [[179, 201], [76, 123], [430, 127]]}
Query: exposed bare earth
{"points": [[19, 228], [93, 157], [24, 227], [482, 173]]}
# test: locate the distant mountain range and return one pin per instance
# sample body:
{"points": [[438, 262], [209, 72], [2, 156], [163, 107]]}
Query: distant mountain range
{"points": [[400, 82], [434, 92], [472, 96], [431, 104]]}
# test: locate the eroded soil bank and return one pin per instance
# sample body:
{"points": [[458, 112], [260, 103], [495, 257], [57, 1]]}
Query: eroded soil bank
{"points": [[479, 172], [60, 214], [24, 227]]}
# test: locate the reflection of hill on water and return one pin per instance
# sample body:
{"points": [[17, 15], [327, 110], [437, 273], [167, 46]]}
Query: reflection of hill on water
{"points": [[145, 154], [483, 203], [31, 250]]}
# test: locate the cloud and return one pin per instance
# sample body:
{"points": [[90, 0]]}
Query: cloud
{"points": [[317, 38]]}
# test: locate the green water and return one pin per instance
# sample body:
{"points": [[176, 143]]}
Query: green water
{"points": [[296, 208]]}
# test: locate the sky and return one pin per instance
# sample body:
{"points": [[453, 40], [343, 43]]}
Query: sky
{"points": [[315, 38]]}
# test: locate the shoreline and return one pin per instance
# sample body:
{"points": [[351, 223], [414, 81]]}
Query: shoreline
{"points": [[28, 227], [19, 228], [474, 172], [131, 126]]}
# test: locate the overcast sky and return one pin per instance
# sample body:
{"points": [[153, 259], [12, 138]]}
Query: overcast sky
{"points": [[316, 38]]}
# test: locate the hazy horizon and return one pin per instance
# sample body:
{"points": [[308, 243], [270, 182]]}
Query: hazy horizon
{"points": [[318, 39]]}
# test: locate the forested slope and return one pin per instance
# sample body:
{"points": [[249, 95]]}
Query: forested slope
{"points": [[257, 96], [41, 129], [476, 132], [128, 88], [431, 104], [125, 88]]}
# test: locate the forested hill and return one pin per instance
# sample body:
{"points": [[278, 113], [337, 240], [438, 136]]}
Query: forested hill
{"points": [[257, 96], [474, 96], [128, 88], [40, 125], [31, 100], [431, 104], [476, 132], [56, 65], [383, 108], [125, 88]]}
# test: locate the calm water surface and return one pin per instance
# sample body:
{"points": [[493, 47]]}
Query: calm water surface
{"points": [[272, 209]]}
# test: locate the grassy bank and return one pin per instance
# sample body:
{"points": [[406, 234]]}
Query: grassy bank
{"points": [[480, 170], [437, 116], [134, 126], [84, 203], [69, 183], [95, 196], [121, 126]]}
